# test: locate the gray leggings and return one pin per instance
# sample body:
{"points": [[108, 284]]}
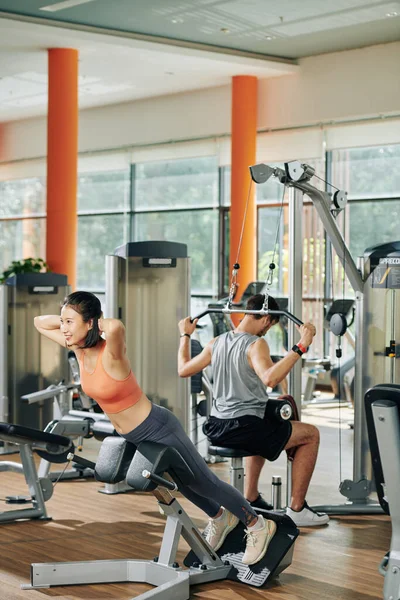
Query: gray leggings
{"points": [[208, 492]]}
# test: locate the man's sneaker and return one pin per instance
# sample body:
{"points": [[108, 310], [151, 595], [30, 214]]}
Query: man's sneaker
{"points": [[307, 517], [257, 542], [217, 529], [261, 504]]}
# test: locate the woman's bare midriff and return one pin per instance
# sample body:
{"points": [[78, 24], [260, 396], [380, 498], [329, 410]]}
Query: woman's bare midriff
{"points": [[131, 417]]}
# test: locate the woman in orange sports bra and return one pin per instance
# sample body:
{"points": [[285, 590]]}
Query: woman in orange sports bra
{"points": [[106, 376]]}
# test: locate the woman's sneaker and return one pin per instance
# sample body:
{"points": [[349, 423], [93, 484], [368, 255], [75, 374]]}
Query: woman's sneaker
{"points": [[257, 541], [307, 517], [217, 529]]}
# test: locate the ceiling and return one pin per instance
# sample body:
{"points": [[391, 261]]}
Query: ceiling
{"points": [[132, 49]]}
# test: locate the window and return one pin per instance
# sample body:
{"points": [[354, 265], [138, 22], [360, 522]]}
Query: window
{"points": [[98, 235], [107, 191], [373, 223], [21, 234], [372, 180], [22, 238], [367, 173], [178, 201], [23, 197], [192, 182], [99, 232], [198, 229]]}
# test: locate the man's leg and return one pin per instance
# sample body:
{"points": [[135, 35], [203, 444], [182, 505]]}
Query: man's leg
{"points": [[254, 464], [305, 438]]}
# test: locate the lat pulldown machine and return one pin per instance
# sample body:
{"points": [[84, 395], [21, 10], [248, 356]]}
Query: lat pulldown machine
{"points": [[376, 283]]}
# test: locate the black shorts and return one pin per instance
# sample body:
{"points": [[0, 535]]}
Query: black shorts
{"points": [[262, 437]]}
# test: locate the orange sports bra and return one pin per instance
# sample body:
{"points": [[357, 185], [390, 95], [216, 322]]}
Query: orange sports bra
{"points": [[111, 394]]}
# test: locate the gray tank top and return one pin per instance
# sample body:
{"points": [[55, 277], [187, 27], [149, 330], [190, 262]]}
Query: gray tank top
{"points": [[237, 389]]}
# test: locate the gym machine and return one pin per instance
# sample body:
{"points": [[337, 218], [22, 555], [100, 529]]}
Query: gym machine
{"points": [[382, 405], [147, 287], [376, 283], [28, 361], [144, 469], [27, 441]]}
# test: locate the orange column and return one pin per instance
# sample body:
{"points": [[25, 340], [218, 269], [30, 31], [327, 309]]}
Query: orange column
{"points": [[244, 135], [62, 162]]}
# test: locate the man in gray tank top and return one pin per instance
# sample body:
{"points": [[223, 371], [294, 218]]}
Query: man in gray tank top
{"points": [[242, 369]]}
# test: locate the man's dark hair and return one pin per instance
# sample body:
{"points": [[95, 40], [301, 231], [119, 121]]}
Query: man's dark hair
{"points": [[256, 302], [89, 307]]}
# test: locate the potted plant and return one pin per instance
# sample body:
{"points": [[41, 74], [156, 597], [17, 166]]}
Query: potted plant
{"points": [[26, 265]]}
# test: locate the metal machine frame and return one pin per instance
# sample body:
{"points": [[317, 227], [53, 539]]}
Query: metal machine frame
{"points": [[171, 581], [296, 177], [144, 468], [28, 440], [40, 488]]}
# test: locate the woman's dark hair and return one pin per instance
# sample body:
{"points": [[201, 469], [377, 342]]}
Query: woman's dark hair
{"points": [[88, 306], [256, 302]]}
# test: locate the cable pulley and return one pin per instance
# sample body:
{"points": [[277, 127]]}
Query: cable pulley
{"points": [[338, 324]]}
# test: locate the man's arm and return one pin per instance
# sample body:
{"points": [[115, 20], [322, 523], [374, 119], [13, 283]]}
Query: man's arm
{"points": [[190, 366], [269, 372], [272, 373]]}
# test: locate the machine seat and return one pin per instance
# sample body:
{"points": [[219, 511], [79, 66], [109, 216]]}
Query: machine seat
{"points": [[23, 434], [158, 459], [228, 452]]}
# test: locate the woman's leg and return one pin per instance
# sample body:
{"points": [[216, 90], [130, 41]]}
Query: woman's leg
{"points": [[207, 485], [207, 491]]}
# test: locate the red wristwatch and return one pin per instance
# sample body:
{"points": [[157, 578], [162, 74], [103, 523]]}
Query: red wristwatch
{"points": [[302, 348]]}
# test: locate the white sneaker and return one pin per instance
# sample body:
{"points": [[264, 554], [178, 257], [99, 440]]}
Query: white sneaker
{"points": [[307, 517], [257, 542], [217, 529]]}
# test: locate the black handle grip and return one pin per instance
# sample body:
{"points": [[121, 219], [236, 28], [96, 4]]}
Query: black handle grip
{"points": [[229, 311], [82, 461], [170, 485]]}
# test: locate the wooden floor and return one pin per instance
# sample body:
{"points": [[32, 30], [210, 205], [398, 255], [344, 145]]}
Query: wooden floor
{"points": [[336, 562]]}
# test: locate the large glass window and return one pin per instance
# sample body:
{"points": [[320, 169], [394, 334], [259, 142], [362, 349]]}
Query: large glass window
{"points": [[192, 182], [23, 197], [107, 191], [198, 229], [372, 180], [22, 238], [99, 232], [98, 235], [178, 201], [373, 223], [367, 172]]}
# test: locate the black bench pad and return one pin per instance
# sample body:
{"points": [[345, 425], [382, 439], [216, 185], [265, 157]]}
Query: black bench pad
{"points": [[35, 435]]}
